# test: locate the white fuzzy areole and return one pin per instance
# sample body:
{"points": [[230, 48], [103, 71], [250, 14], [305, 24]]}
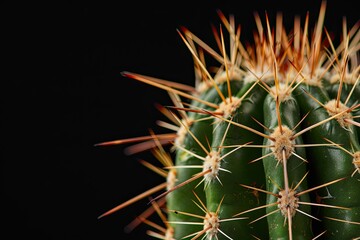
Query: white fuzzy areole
{"points": [[181, 133], [212, 223], [283, 142], [288, 202], [171, 179], [227, 107], [282, 92], [332, 109], [212, 162]]}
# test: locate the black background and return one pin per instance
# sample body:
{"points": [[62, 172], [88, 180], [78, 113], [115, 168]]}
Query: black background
{"points": [[67, 94]]}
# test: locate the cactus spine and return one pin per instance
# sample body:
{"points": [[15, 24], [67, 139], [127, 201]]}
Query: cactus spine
{"points": [[265, 148]]}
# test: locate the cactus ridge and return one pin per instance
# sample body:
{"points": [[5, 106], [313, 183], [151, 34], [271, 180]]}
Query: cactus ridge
{"points": [[265, 147]]}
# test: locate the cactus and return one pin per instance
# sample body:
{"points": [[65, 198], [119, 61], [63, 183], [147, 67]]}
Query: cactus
{"points": [[265, 147]]}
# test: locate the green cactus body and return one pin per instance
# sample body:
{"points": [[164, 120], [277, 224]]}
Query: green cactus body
{"points": [[179, 200], [331, 163], [275, 154], [237, 169], [295, 169]]}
